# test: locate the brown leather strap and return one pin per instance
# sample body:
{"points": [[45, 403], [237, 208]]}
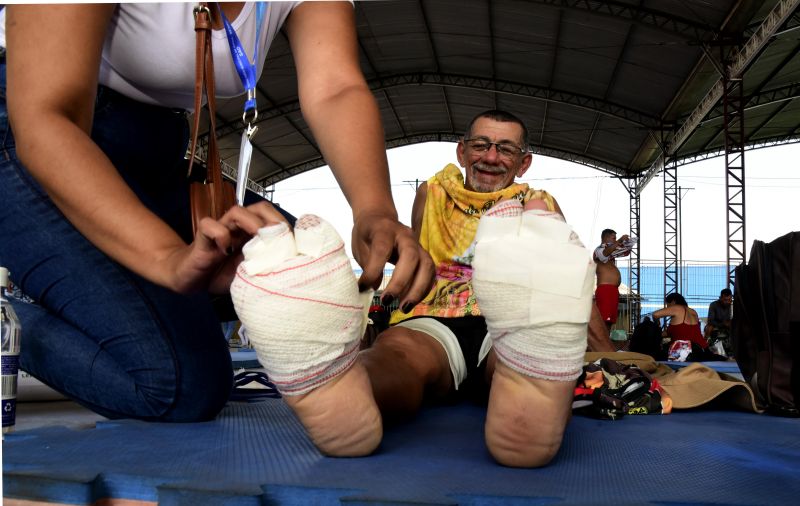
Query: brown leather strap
{"points": [[202, 28], [204, 82], [214, 174]]}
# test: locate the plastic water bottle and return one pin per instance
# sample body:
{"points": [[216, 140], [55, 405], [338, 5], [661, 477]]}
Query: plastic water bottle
{"points": [[11, 331]]}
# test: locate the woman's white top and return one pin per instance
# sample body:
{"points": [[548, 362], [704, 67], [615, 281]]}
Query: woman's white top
{"points": [[149, 50]]}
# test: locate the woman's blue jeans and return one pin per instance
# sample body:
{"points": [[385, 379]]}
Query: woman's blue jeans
{"points": [[100, 334]]}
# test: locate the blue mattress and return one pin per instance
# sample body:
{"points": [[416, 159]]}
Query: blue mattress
{"points": [[257, 453]]}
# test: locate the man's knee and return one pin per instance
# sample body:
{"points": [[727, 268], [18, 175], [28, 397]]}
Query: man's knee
{"points": [[419, 351], [404, 366], [398, 340]]}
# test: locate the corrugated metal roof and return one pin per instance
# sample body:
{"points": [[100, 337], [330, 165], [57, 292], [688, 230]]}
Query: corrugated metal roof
{"points": [[598, 83]]}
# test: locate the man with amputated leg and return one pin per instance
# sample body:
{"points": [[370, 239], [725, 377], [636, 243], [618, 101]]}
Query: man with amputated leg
{"points": [[530, 293]]}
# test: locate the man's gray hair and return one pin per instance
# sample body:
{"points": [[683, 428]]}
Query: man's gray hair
{"points": [[503, 117]]}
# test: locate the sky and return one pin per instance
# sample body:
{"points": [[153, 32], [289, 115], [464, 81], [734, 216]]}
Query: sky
{"points": [[593, 200]]}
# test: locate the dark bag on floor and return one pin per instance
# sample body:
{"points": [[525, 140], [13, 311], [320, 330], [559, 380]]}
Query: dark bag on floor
{"points": [[646, 339], [766, 323]]}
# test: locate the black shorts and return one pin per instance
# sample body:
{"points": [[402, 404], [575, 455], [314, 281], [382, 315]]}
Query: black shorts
{"points": [[470, 331]]}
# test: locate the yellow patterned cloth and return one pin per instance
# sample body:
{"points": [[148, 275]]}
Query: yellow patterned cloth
{"points": [[449, 224]]}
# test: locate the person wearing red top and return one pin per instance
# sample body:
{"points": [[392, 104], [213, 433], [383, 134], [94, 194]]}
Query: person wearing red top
{"points": [[684, 323]]}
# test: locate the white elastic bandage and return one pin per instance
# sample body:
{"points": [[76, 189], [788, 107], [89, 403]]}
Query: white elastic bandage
{"points": [[297, 297], [533, 281]]}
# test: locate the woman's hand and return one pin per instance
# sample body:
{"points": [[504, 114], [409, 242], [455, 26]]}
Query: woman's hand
{"points": [[210, 262], [378, 239]]}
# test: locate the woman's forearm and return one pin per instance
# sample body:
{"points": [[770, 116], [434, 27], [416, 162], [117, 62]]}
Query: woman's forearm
{"points": [[50, 96], [354, 149], [87, 189], [338, 105]]}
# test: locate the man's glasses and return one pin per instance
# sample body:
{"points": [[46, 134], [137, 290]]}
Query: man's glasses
{"points": [[504, 149]]}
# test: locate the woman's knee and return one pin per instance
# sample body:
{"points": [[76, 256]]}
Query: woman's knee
{"points": [[202, 389], [159, 388]]}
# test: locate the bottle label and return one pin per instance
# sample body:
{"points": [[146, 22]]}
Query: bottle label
{"points": [[9, 386], [9, 408], [9, 366]]}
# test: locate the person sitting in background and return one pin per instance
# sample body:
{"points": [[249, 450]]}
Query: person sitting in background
{"points": [[718, 325], [684, 325]]}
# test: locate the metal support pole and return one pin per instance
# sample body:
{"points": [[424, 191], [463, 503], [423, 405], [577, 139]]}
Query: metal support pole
{"points": [[679, 258], [733, 118], [671, 226], [782, 11], [634, 293]]}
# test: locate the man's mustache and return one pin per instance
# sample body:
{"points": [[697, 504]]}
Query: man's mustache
{"points": [[485, 167]]}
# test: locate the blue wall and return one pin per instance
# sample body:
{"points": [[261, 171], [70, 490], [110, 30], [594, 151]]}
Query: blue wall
{"points": [[700, 285]]}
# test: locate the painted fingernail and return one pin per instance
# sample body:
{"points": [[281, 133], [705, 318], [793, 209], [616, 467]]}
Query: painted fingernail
{"points": [[407, 307], [387, 299]]}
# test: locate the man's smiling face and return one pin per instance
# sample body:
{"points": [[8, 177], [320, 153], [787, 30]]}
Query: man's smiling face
{"points": [[492, 155]]}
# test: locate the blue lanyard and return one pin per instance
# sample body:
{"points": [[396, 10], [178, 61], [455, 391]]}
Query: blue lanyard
{"points": [[244, 67], [247, 74]]}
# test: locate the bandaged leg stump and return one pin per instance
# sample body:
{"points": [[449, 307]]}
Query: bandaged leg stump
{"points": [[298, 301], [533, 281]]}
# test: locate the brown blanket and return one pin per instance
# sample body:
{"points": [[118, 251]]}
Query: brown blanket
{"points": [[691, 386]]}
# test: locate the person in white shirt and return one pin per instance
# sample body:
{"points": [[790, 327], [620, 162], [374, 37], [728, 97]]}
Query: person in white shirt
{"points": [[95, 207]]}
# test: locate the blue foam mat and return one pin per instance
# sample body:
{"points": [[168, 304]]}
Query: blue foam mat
{"points": [[728, 367], [258, 454]]}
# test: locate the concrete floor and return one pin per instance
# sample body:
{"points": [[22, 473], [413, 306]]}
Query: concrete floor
{"points": [[40, 406], [64, 413]]}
